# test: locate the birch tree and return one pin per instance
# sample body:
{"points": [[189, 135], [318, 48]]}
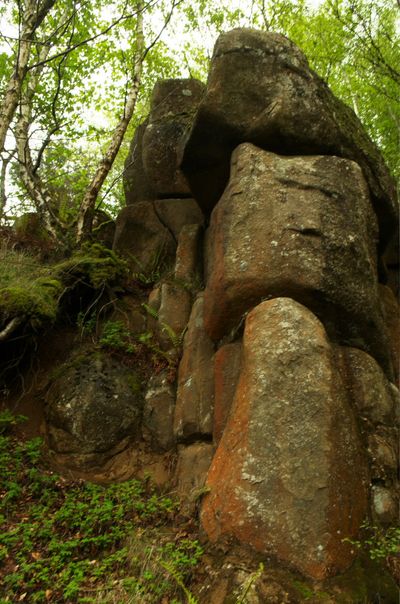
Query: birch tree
{"points": [[47, 109], [31, 15]]}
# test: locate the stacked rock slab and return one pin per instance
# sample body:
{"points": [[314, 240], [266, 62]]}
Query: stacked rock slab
{"points": [[284, 388], [283, 478], [301, 227], [159, 201], [261, 90], [300, 205]]}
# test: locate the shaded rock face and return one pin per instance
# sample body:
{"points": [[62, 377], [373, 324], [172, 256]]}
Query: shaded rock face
{"points": [[158, 413], [195, 395], [173, 105], [282, 478], [227, 362], [302, 227], [141, 237], [137, 187], [91, 408], [261, 90], [152, 166], [295, 421]]}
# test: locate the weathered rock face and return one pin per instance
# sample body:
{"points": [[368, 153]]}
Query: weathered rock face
{"points": [[301, 227], [137, 186], [377, 404], [158, 413], [193, 464], [391, 316], [177, 213], [282, 478], [92, 408], [151, 168], [173, 105], [195, 396], [173, 314], [188, 263], [297, 417], [142, 238], [261, 90], [147, 232], [226, 373]]}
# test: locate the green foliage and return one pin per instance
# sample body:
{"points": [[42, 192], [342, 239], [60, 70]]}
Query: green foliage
{"points": [[175, 339], [69, 541], [94, 265], [27, 290], [377, 541], [8, 420], [117, 337]]}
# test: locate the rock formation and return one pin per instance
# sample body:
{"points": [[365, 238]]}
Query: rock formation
{"points": [[285, 391]]}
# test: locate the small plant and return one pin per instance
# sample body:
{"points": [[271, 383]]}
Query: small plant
{"points": [[249, 583], [8, 420], [86, 323], [175, 339], [379, 542], [150, 274], [117, 337], [65, 541]]}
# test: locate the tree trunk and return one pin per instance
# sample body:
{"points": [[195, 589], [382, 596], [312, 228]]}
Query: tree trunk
{"points": [[86, 211], [31, 17], [32, 182]]}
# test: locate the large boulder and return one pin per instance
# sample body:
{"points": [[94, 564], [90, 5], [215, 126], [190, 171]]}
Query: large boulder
{"points": [[92, 407], [377, 404], [143, 239], [173, 106], [260, 89], [177, 213], [152, 165], [282, 479], [301, 227]]}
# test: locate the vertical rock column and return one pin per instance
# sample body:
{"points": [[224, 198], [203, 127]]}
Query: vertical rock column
{"points": [[283, 479]]}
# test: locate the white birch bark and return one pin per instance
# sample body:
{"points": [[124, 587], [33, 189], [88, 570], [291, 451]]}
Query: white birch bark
{"points": [[31, 181], [32, 15]]}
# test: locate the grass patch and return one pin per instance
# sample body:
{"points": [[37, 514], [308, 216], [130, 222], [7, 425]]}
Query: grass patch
{"points": [[69, 541]]}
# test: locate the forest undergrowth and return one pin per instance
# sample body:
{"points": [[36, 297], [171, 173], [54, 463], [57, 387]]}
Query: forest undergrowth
{"points": [[70, 541]]}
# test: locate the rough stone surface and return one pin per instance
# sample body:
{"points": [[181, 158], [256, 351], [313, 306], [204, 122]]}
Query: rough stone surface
{"points": [[137, 186], [384, 505], [372, 394], [158, 413], [130, 312], [193, 464], [383, 448], [282, 478], [173, 314], [153, 301], [92, 406], [226, 374], [391, 261], [260, 90], [195, 396], [142, 238], [301, 227], [188, 260], [174, 214], [391, 316], [173, 105]]}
